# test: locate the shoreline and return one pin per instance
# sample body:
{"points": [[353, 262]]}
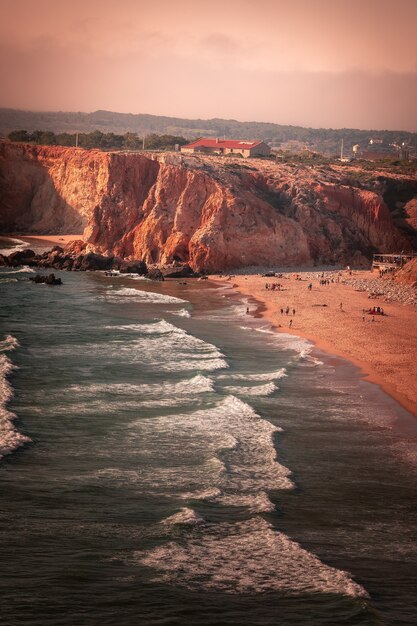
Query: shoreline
{"points": [[395, 378]]}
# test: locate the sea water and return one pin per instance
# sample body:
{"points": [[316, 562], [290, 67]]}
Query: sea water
{"points": [[169, 459]]}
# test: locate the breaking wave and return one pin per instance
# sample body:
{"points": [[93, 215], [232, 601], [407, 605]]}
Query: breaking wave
{"points": [[258, 390], [10, 438], [129, 294], [245, 557]]}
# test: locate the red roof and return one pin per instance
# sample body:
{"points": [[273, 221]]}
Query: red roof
{"points": [[240, 144]]}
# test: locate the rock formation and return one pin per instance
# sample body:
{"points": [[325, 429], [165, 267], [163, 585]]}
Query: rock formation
{"points": [[408, 274], [210, 213]]}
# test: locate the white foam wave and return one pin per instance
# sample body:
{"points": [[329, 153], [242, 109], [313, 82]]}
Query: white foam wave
{"points": [[276, 375], [9, 343], [129, 294], [17, 247], [25, 269], [164, 347], [185, 516], [133, 276], [245, 557], [10, 438], [254, 503], [8, 280], [241, 439], [258, 390], [181, 313]]}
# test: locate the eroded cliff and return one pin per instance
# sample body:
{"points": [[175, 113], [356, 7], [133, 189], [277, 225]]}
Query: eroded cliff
{"points": [[212, 213]]}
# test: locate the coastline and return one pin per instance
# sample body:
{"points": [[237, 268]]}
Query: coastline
{"points": [[384, 349], [39, 243], [55, 240]]}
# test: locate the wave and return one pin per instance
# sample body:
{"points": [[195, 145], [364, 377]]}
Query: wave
{"points": [[10, 438], [9, 343], [245, 557], [196, 384], [181, 313], [25, 269], [241, 440], [163, 347], [257, 377], [257, 390], [185, 516], [19, 245], [129, 294], [303, 347]]}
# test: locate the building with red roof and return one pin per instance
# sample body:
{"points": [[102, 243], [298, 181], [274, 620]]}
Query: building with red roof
{"points": [[228, 146]]}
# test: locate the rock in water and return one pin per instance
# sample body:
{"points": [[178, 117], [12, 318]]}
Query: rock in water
{"points": [[48, 280], [21, 257], [155, 274]]}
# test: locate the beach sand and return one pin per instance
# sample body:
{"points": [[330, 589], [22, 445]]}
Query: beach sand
{"points": [[385, 349], [53, 240]]}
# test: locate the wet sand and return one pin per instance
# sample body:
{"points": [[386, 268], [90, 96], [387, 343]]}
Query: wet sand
{"points": [[384, 347]]}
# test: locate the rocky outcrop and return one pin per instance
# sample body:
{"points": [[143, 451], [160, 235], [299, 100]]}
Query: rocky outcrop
{"points": [[46, 280], [408, 274], [209, 213]]}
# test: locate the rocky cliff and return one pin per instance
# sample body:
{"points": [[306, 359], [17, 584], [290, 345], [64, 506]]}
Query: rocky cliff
{"points": [[212, 213]]}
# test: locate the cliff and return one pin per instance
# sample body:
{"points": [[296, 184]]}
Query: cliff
{"points": [[212, 213]]}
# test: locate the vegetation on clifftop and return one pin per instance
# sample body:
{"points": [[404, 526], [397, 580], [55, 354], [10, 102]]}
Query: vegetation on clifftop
{"points": [[97, 139]]}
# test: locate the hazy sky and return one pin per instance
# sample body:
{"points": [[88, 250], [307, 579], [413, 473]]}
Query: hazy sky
{"points": [[330, 63]]}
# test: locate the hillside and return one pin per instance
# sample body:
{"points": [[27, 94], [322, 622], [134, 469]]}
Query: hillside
{"points": [[322, 140], [207, 212]]}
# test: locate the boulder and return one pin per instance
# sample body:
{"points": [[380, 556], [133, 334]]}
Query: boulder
{"points": [[93, 261], [184, 271], [3, 260], [155, 274], [21, 257], [44, 279], [132, 267], [75, 248], [67, 265], [58, 249]]}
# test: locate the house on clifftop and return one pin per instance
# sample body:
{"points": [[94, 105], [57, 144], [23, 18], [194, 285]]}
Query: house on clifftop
{"points": [[228, 146]]}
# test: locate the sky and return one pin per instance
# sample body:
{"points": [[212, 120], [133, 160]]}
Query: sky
{"points": [[319, 63]]}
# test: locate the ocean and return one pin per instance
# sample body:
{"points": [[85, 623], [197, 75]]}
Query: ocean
{"points": [[169, 459]]}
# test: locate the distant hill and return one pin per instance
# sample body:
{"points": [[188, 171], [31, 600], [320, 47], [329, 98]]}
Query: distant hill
{"points": [[296, 138]]}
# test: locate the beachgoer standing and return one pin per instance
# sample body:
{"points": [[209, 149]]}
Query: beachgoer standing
{"points": [[290, 323]]}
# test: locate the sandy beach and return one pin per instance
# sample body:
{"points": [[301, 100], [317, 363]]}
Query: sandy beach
{"points": [[331, 316], [53, 240]]}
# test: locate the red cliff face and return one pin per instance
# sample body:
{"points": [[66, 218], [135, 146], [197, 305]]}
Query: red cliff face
{"points": [[212, 213]]}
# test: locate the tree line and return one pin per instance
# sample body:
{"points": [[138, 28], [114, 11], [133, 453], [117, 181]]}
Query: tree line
{"points": [[97, 139]]}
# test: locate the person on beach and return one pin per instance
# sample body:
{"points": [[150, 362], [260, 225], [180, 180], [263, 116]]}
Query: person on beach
{"points": [[287, 310], [290, 323], [247, 310], [293, 311], [341, 306], [282, 311]]}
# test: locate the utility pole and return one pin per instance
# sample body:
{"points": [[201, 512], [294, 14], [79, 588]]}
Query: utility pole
{"points": [[341, 151], [143, 142], [76, 140]]}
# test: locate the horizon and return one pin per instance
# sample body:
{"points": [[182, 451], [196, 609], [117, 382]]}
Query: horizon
{"points": [[327, 66], [208, 119]]}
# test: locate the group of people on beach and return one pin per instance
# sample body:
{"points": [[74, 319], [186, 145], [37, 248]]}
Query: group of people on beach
{"points": [[273, 286], [376, 310]]}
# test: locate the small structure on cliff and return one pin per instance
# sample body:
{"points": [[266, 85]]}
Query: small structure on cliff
{"points": [[241, 147]]}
